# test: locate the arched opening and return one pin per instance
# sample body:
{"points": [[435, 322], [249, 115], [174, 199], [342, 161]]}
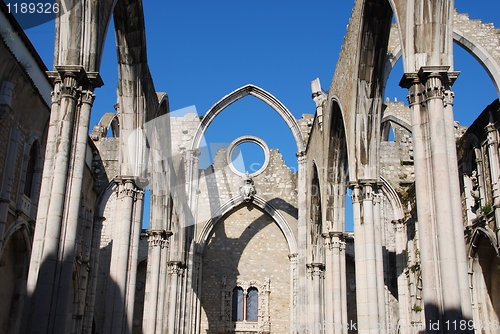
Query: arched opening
{"points": [[316, 221], [31, 170], [237, 303], [249, 116], [485, 281], [252, 304], [245, 254]]}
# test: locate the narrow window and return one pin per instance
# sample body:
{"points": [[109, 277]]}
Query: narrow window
{"points": [[30, 171], [252, 304], [237, 304]]}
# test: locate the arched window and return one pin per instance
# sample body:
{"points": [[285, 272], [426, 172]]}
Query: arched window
{"points": [[30, 170], [252, 304], [237, 304]]}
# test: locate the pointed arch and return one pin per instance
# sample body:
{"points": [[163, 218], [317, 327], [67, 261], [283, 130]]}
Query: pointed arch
{"points": [[257, 201], [474, 48], [260, 94]]}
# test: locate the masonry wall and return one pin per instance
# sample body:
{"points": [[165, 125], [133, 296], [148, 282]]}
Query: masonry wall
{"points": [[246, 245]]}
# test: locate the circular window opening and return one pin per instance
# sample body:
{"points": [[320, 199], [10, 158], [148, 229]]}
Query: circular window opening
{"points": [[248, 157], [248, 154]]}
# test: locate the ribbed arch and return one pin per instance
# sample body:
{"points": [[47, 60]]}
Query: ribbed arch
{"points": [[240, 93], [257, 201], [475, 49]]}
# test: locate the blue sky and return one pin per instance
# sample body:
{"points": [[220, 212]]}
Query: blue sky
{"points": [[200, 50]]}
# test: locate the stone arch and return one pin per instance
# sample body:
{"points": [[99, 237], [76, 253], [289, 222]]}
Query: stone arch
{"points": [[484, 275], [482, 55], [257, 201], [372, 45], [315, 219], [15, 255], [103, 199], [396, 119], [337, 167], [393, 198], [28, 205], [260, 94], [474, 48]]}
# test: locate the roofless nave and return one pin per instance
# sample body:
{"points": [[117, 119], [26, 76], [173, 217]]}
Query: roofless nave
{"points": [[264, 252]]}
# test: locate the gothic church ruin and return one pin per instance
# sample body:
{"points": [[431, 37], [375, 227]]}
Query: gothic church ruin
{"points": [[260, 252]]}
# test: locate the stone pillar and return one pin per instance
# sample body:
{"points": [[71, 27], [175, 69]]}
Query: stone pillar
{"points": [[198, 267], [329, 289], [401, 262], [458, 222], [438, 201], [372, 305], [302, 318], [423, 188], [123, 269], [71, 225], [334, 290], [175, 276], [51, 269], [96, 243], [316, 274], [293, 292], [494, 169], [379, 259], [343, 286], [155, 281]]}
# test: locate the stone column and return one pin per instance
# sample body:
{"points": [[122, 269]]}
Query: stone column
{"points": [[443, 196], [334, 280], [121, 285], [337, 244], [301, 319], [293, 292], [329, 289], [438, 201], [51, 269], [198, 267], [175, 274], [456, 200], [379, 259], [494, 170], [155, 281], [71, 225], [316, 273], [401, 262], [343, 286], [372, 305], [96, 243], [423, 189]]}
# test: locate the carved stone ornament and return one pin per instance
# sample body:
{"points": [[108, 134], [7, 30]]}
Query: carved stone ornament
{"points": [[248, 189]]}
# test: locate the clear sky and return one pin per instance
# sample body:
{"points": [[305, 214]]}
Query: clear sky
{"points": [[200, 50]]}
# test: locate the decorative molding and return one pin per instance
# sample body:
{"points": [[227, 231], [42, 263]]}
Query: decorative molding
{"points": [[158, 238], [263, 323], [247, 139], [247, 190]]}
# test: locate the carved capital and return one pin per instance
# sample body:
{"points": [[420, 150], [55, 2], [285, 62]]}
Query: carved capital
{"points": [[316, 270], [367, 192], [301, 157], [356, 193], [399, 225], [87, 97], [448, 97], [126, 187], [158, 238], [175, 268]]}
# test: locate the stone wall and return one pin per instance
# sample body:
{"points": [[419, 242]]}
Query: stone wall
{"points": [[246, 245]]}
